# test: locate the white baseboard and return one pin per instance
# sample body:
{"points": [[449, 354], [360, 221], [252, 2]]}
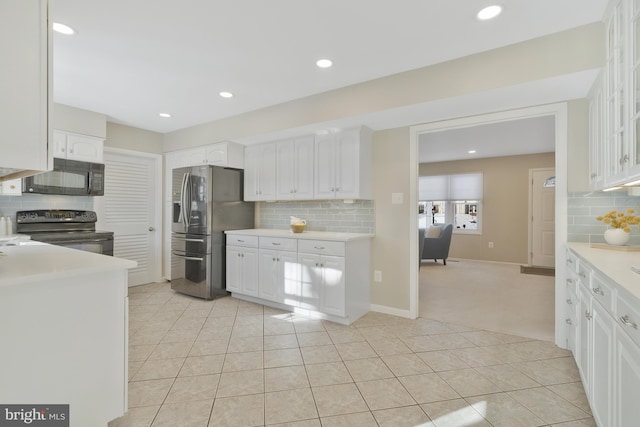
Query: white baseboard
{"points": [[391, 310]]}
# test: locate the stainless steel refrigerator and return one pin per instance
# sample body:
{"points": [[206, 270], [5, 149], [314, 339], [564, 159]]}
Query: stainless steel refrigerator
{"points": [[207, 200]]}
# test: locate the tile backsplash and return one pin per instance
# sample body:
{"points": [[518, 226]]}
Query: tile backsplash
{"points": [[9, 205], [325, 215], [583, 208]]}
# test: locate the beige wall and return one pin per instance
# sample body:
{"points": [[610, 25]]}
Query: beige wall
{"points": [[75, 120], [504, 206], [135, 139], [578, 146]]}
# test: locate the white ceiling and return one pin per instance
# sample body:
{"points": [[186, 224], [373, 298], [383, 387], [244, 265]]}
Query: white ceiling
{"points": [[132, 59]]}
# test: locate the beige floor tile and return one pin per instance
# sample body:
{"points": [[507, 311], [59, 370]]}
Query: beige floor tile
{"points": [[443, 360], [308, 339], [588, 422], [574, 393], [436, 342], [156, 369], [320, 354], [362, 419], [148, 393], [468, 382], [140, 352], [180, 336], [285, 378], [243, 361], [171, 350], [305, 423], [547, 405], [302, 325], [332, 373], [340, 336], [133, 369], [289, 405], [501, 410], [368, 369], [219, 321], [202, 365], [241, 383], [388, 346], [338, 400], [145, 338], [385, 394], [239, 344], [205, 348], [478, 356], [238, 411], [251, 330], [454, 413], [483, 338], [214, 333], [507, 377], [136, 417], [186, 389], [355, 350], [405, 416], [188, 324], [427, 388], [279, 342], [406, 364], [284, 357], [184, 414], [543, 372], [278, 327]]}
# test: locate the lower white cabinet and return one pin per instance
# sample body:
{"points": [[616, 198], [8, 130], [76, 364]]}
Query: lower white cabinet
{"points": [[607, 351], [242, 270], [328, 279]]}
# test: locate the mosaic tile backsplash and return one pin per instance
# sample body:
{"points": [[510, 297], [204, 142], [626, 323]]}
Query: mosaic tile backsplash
{"points": [[325, 215], [9, 205], [583, 208]]}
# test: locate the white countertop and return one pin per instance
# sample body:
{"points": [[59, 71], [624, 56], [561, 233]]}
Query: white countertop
{"points": [[310, 235], [612, 263], [35, 261]]}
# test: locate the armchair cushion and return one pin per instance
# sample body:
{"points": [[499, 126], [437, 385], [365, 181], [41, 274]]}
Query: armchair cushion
{"points": [[434, 231], [438, 247]]}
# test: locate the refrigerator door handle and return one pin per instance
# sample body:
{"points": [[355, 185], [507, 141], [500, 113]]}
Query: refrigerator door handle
{"points": [[182, 211], [188, 258]]}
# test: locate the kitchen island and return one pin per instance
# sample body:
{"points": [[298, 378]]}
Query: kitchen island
{"points": [[322, 274], [63, 328]]}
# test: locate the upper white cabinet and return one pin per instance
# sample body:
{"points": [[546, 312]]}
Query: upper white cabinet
{"points": [[596, 134], [343, 165], [294, 169], [78, 147], [25, 103], [227, 154], [260, 172]]}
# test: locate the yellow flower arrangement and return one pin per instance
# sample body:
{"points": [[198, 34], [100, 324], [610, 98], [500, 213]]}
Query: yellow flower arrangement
{"points": [[621, 220]]}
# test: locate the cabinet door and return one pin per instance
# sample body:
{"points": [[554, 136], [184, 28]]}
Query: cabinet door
{"points": [[267, 182], [584, 338], [250, 267], [216, 154], [194, 157], [333, 285], [325, 167], [234, 270], [347, 164], [268, 275], [602, 372], [59, 145], [596, 136], [304, 168], [13, 187], [310, 281], [25, 100], [251, 173], [85, 148], [627, 379], [285, 169], [289, 275]]}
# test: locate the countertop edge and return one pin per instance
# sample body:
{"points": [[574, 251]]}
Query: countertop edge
{"points": [[307, 235]]}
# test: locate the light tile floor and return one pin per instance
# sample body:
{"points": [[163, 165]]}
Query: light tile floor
{"points": [[232, 363]]}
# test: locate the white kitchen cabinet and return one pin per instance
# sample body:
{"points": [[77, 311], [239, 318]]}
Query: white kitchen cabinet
{"points": [[597, 135], [343, 165], [260, 172], [78, 147], [25, 104], [227, 154], [627, 380], [11, 187], [294, 167], [601, 352], [326, 275], [242, 269]]}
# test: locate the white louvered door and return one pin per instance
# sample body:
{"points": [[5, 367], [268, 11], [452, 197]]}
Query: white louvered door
{"points": [[130, 208]]}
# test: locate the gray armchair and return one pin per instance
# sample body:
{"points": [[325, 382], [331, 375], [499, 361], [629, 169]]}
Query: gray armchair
{"points": [[421, 232], [436, 248]]}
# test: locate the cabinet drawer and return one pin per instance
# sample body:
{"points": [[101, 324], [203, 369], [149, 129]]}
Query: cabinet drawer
{"points": [[572, 304], [602, 292], [583, 271], [628, 318], [572, 262], [278, 243], [321, 247], [242, 240]]}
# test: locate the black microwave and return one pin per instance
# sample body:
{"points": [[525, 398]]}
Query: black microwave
{"points": [[69, 178]]}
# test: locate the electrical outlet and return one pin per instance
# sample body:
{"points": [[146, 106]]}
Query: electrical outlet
{"points": [[490, 245], [377, 276]]}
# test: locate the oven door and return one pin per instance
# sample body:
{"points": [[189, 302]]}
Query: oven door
{"points": [[97, 245]]}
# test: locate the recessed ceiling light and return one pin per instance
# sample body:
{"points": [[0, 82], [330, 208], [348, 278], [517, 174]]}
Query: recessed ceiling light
{"points": [[471, 151], [226, 94], [324, 63], [489, 12], [165, 115], [63, 29]]}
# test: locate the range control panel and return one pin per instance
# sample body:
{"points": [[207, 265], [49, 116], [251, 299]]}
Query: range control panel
{"points": [[55, 215]]}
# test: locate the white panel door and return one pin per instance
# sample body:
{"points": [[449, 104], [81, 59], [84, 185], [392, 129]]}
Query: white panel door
{"points": [[131, 209], [542, 241]]}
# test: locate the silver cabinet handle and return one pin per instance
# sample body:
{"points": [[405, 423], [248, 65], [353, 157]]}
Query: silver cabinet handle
{"points": [[275, 244], [625, 321], [152, 229], [569, 322], [570, 281], [569, 301], [597, 291], [319, 247], [581, 274], [240, 241], [569, 261], [188, 258], [588, 315]]}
